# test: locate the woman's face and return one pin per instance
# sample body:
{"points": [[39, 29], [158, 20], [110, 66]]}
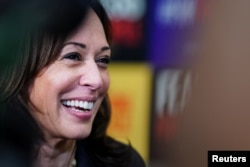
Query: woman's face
{"points": [[66, 95]]}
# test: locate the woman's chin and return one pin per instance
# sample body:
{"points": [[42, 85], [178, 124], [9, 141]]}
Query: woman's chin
{"points": [[80, 135]]}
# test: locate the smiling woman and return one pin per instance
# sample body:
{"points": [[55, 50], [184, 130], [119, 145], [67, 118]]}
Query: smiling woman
{"points": [[56, 103], [78, 76]]}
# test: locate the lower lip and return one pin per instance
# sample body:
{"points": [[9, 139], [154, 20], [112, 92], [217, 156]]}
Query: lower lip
{"points": [[80, 115]]}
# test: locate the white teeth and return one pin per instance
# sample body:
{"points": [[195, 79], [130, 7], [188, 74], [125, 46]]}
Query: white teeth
{"points": [[81, 104], [85, 104], [72, 103], [78, 103], [90, 105]]}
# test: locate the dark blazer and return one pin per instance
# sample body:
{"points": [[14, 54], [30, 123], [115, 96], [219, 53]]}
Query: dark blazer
{"points": [[84, 160]]}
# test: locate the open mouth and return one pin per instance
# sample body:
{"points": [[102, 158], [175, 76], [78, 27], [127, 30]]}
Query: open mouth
{"points": [[78, 105]]}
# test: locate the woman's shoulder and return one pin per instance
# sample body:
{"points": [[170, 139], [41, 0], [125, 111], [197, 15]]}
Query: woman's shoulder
{"points": [[136, 159], [109, 152]]}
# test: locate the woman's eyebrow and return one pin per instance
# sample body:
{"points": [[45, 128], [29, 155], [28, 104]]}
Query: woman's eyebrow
{"points": [[76, 43], [105, 48], [83, 46]]}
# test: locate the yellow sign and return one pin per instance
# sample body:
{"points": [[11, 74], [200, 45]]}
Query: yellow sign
{"points": [[130, 95]]}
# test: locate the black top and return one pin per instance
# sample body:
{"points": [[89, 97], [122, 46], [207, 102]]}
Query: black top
{"points": [[84, 160]]}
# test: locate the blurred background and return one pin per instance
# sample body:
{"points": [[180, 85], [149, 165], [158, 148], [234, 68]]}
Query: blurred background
{"points": [[180, 78], [155, 42]]}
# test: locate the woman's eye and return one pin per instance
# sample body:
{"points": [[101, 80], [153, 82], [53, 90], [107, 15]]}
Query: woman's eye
{"points": [[73, 56], [103, 61]]}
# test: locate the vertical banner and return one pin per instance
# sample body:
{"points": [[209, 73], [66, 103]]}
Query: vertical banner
{"points": [[130, 99], [173, 32]]}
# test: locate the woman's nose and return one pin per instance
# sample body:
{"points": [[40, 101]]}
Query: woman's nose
{"points": [[91, 75]]}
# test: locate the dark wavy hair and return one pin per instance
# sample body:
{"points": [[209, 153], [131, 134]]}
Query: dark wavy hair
{"points": [[37, 47]]}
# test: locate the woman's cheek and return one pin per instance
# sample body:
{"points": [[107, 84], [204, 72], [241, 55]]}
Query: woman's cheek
{"points": [[106, 80]]}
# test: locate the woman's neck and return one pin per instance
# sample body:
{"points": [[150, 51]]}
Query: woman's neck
{"points": [[57, 152]]}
